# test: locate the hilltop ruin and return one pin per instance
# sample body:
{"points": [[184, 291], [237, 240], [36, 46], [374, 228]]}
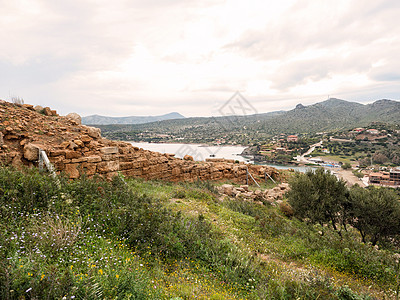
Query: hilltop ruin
{"points": [[77, 149]]}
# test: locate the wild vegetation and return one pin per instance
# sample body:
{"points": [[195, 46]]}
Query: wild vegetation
{"points": [[135, 239], [320, 198]]}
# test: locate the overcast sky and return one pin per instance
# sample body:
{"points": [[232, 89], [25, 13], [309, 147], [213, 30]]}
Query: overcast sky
{"points": [[150, 57]]}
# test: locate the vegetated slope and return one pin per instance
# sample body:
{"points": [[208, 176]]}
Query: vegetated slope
{"points": [[328, 115], [196, 129], [103, 120], [90, 238]]}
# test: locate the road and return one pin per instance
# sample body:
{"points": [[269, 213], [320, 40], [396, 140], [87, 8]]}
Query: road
{"points": [[302, 158], [346, 175]]}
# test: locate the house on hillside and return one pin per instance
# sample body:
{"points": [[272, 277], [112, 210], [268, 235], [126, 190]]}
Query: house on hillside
{"points": [[292, 138], [391, 178], [373, 131], [394, 175]]}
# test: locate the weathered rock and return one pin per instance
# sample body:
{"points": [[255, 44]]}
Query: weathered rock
{"points": [[74, 116], [85, 138], [188, 157], [72, 154], [72, 145], [93, 132], [227, 189], [28, 106], [109, 150], [56, 153], [16, 161], [108, 166], [93, 159], [72, 171], [31, 152], [245, 187], [38, 108], [79, 143], [47, 111], [1, 139]]}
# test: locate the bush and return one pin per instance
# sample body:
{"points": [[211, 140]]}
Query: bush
{"points": [[375, 212], [346, 166], [318, 197]]}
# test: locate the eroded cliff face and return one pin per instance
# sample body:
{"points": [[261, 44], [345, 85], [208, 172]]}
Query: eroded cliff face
{"points": [[77, 149]]}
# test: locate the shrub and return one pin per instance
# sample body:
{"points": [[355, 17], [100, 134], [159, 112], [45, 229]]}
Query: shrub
{"points": [[318, 197], [375, 212]]}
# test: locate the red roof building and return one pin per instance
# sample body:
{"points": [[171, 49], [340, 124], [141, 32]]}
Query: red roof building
{"points": [[292, 138]]}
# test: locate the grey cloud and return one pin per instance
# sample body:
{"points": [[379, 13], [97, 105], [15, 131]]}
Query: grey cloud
{"points": [[298, 30]]}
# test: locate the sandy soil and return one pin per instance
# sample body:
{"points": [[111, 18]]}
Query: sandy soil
{"points": [[349, 177]]}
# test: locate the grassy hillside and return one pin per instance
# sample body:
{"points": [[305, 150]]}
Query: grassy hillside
{"points": [[329, 115], [90, 238]]}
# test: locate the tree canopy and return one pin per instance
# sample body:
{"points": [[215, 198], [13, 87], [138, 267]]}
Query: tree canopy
{"points": [[319, 197]]}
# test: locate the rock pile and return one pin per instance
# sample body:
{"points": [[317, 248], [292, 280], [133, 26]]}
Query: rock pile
{"points": [[272, 196], [77, 149]]}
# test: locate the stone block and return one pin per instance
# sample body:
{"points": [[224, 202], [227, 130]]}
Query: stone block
{"points": [[89, 168], [72, 154], [72, 171], [109, 150], [125, 165], [93, 159], [108, 166], [79, 160], [31, 152], [56, 153]]}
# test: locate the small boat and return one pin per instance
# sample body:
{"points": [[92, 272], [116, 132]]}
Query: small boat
{"points": [[212, 155]]}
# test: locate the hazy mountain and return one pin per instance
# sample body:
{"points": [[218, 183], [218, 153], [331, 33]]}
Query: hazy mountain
{"points": [[104, 120]]}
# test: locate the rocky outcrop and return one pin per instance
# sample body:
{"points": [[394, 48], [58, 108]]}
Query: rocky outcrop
{"points": [[272, 196], [74, 116], [77, 149]]}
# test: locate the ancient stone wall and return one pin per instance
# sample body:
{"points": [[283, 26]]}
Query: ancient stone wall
{"points": [[77, 149]]}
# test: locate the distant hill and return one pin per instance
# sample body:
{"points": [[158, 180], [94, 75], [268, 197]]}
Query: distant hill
{"points": [[104, 120], [330, 115]]}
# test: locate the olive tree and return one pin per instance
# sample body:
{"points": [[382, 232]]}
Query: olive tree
{"points": [[375, 212], [319, 197]]}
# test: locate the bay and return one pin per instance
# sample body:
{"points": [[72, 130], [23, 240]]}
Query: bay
{"points": [[197, 151], [202, 152]]}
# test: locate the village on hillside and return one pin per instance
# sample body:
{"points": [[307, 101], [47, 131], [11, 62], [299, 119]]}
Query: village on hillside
{"points": [[371, 153]]}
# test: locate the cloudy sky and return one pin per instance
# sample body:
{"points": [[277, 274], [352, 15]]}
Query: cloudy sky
{"points": [[149, 57]]}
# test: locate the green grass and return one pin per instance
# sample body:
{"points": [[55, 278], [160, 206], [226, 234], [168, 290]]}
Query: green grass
{"points": [[338, 158], [154, 240]]}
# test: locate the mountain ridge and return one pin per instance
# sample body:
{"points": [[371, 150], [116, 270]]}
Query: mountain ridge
{"points": [[329, 115], [106, 120]]}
